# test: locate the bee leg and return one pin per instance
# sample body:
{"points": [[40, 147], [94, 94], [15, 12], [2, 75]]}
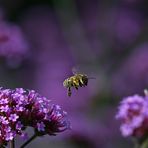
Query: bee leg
{"points": [[76, 86], [69, 92], [81, 82]]}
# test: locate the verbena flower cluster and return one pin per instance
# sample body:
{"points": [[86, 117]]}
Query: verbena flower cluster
{"points": [[133, 113], [21, 108], [13, 45]]}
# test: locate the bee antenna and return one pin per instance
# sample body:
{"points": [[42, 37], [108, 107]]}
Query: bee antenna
{"points": [[91, 78]]}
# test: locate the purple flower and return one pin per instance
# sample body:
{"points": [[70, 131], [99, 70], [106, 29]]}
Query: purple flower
{"points": [[4, 101], [19, 125], [9, 136], [13, 117], [3, 120], [13, 45], [19, 108], [41, 126], [28, 108], [4, 108], [7, 129], [133, 114]]}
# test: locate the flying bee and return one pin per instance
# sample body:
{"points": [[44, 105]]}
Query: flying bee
{"points": [[76, 81]]}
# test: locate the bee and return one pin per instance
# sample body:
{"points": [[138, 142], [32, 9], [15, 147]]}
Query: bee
{"points": [[76, 81]]}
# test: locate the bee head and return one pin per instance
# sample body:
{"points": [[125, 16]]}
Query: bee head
{"points": [[85, 79]]}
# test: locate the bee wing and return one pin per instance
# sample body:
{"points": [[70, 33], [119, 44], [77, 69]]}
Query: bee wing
{"points": [[77, 70], [74, 70]]}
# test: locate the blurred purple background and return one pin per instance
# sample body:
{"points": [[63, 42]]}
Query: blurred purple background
{"points": [[42, 40]]}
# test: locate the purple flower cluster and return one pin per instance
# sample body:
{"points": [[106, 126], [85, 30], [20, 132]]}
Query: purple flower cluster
{"points": [[133, 113], [21, 108], [13, 45]]}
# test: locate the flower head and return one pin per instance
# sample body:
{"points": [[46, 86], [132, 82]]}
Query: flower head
{"points": [[133, 113], [13, 45], [20, 108]]}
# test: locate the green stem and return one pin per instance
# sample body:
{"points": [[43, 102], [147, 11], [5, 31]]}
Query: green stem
{"points": [[144, 144], [12, 144], [29, 140], [140, 144]]}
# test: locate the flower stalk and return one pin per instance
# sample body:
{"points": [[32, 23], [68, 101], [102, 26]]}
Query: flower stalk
{"points": [[12, 143], [144, 144], [29, 140]]}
